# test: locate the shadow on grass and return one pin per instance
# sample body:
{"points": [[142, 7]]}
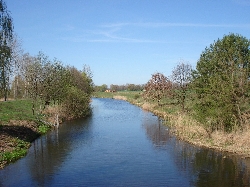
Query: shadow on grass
{"points": [[20, 132]]}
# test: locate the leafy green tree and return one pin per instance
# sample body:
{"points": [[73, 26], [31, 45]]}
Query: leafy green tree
{"points": [[6, 33], [87, 77], [54, 82], [47, 81], [60, 81], [221, 82], [181, 77], [101, 88], [76, 103], [81, 79]]}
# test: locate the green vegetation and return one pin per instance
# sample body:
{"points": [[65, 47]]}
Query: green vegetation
{"points": [[19, 151], [16, 110], [42, 129], [50, 93], [36, 93], [221, 82], [208, 106], [113, 87], [48, 82], [129, 95], [6, 38], [18, 128]]}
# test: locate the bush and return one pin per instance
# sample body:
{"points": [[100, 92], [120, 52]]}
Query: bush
{"points": [[76, 104], [136, 96]]}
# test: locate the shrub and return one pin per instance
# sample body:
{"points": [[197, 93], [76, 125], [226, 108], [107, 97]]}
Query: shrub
{"points": [[76, 104]]}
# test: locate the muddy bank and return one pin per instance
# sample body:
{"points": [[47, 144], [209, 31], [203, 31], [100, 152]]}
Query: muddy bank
{"points": [[15, 138]]}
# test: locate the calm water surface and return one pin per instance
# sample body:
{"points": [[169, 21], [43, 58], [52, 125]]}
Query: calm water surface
{"points": [[122, 145]]}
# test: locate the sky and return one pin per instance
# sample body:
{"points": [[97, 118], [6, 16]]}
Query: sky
{"points": [[126, 41]]}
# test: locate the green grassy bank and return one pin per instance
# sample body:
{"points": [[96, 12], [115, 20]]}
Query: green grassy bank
{"points": [[185, 127], [18, 128]]}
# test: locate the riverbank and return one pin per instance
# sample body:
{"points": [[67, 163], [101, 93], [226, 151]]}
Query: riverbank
{"points": [[189, 130], [18, 128]]}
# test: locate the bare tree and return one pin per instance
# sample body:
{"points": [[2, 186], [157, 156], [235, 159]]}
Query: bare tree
{"points": [[157, 87], [17, 57], [181, 77], [33, 77]]}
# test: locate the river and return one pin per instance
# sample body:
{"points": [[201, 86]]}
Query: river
{"points": [[122, 145]]}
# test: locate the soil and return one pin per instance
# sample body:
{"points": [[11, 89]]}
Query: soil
{"points": [[22, 130]]}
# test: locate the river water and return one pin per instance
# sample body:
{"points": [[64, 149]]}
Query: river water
{"points": [[122, 145]]}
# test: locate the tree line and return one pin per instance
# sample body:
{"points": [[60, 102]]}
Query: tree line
{"points": [[47, 82], [39, 78], [218, 90], [115, 87]]}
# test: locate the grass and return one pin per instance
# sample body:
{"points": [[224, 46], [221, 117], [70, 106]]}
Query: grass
{"points": [[42, 129], [16, 110], [19, 151], [18, 128], [127, 94]]}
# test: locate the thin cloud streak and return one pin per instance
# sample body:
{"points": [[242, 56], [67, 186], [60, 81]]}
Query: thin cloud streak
{"points": [[111, 33], [162, 24]]}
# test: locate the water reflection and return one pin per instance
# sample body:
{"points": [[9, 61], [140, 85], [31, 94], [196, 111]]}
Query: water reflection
{"points": [[205, 167], [155, 131], [214, 169], [50, 152]]}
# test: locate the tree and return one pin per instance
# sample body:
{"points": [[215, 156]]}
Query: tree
{"points": [[157, 87], [101, 88], [33, 77], [16, 60], [18, 87], [221, 82], [88, 81], [6, 33], [114, 87], [181, 76], [60, 80], [76, 103]]}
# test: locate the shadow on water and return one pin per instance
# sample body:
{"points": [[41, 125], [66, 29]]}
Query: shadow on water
{"points": [[205, 167], [50, 151]]}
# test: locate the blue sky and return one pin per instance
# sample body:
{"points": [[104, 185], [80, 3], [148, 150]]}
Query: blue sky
{"points": [[126, 41]]}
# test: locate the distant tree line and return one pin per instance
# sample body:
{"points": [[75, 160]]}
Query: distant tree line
{"points": [[218, 90], [126, 87]]}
